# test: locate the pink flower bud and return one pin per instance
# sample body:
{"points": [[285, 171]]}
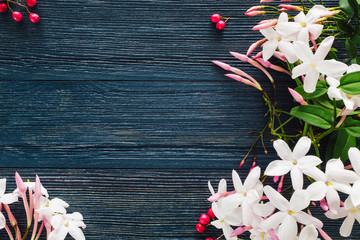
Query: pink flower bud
{"points": [[265, 24], [254, 8], [255, 45], [215, 197], [272, 234], [286, 7], [324, 234], [324, 205], [222, 65], [255, 13], [276, 178], [297, 96], [265, 1], [280, 56], [20, 183]]}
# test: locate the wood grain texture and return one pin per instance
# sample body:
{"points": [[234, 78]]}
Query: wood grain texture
{"points": [[116, 105], [137, 204]]}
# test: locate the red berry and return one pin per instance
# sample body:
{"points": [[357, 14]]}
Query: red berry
{"points": [[200, 228], [34, 17], [31, 3], [211, 213], [215, 17], [17, 16], [3, 7], [220, 25], [204, 219], [209, 239]]}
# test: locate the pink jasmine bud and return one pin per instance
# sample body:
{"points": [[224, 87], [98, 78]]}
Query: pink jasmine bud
{"points": [[264, 198], [329, 13], [254, 8], [241, 79], [348, 167], [258, 55], [269, 23], [281, 183], [215, 197], [313, 203], [255, 45], [324, 205], [324, 234], [20, 183], [222, 65], [286, 0], [272, 234], [37, 192], [242, 163], [264, 1], [286, 7], [297, 96], [280, 56], [276, 178], [240, 230], [255, 13], [267, 64]]}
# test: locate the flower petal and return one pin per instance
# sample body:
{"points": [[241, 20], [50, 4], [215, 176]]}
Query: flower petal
{"points": [[237, 181], [277, 199], [76, 233], [317, 190], [288, 228], [2, 186], [306, 219], [347, 225], [297, 179], [355, 194], [301, 148], [324, 49], [269, 48], [299, 200], [310, 81], [331, 67], [308, 162], [273, 221], [278, 168], [333, 199], [309, 232], [288, 50], [354, 156], [252, 179], [9, 198], [303, 52], [263, 209], [282, 149]]}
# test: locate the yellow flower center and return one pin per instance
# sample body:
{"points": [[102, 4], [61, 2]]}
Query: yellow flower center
{"points": [[302, 24], [291, 212], [294, 162], [354, 210]]}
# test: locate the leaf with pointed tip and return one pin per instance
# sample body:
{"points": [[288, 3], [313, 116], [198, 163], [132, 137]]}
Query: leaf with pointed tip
{"points": [[314, 115]]}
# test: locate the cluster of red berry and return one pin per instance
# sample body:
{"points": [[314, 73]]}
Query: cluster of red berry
{"points": [[220, 24], [204, 221], [17, 16]]}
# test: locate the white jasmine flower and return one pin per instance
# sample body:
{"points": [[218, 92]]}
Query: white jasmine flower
{"points": [[314, 64], [354, 157], [335, 178], [350, 212], [309, 232], [48, 209], [6, 198], [290, 212], [226, 219], [67, 224], [296, 162], [246, 194], [222, 186]]}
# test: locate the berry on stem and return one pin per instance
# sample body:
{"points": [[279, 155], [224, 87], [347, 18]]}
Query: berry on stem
{"points": [[17, 16], [3, 7], [204, 219], [209, 239], [200, 228], [220, 25], [211, 213], [34, 17], [31, 3], [215, 18]]}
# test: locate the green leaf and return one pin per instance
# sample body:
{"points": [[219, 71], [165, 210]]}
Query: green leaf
{"points": [[339, 144], [350, 48], [352, 127], [356, 37], [314, 115], [350, 83], [321, 89], [345, 27], [350, 7]]}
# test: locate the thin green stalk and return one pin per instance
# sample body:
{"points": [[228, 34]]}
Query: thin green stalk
{"points": [[286, 122], [305, 129], [315, 144]]}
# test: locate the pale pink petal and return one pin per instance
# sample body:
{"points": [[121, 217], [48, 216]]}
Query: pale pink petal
{"points": [[288, 228], [306, 219], [216, 210], [277, 199], [308, 162], [355, 194], [315, 30], [269, 33], [299, 200], [301, 69], [247, 213], [303, 51], [333, 165], [297, 179], [324, 48], [278, 168], [308, 233], [331, 67], [342, 187], [347, 225], [340, 214], [303, 36], [222, 186], [218, 224], [263, 209], [354, 156], [333, 199], [9, 198], [317, 190], [282, 149], [2, 220], [315, 173], [233, 201], [211, 188], [237, 181], [252, 197], [344, 176], [287, 28], [252, 179], [311, 80], [273, 221], [76, 233], [300, 17], [235, 217], [58, 234], [301, 148], [288, 50], [269, 48]]}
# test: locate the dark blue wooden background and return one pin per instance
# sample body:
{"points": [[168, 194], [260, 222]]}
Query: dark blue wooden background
{"points": [[116, 105]]}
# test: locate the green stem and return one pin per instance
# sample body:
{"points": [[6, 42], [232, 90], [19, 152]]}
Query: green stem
{"points": [[315, 144], [305, 129], [286, 122]]}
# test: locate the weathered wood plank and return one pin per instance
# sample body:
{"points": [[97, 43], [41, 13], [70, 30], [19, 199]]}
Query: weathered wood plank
{"points": [[133, 204], [128, 124]]}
